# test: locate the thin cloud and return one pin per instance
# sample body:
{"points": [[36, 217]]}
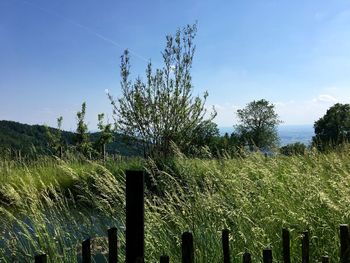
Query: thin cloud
{"points": [[325, 98], [86, 28]]}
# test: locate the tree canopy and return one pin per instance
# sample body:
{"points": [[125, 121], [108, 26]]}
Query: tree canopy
{"points": [[333, 128], [257, 126], [162, 110]]}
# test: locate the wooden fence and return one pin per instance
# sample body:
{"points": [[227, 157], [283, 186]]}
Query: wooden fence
{"points": [[135, 236]]}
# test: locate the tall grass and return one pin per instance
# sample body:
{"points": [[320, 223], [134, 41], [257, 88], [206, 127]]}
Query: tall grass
{"points": [[53, 205]]}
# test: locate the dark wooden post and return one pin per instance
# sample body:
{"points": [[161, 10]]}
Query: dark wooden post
{"points": [[344, 243], [286, 245], [113, 245], [267, 255], [226, 245], [135, 225], [187, 248], [86, 251], [40, 258], [247, 258], [325, 259], [164, 259], [305, 248]]}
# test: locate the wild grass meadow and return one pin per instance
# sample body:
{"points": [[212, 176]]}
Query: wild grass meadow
{"points": [[52, 205]]}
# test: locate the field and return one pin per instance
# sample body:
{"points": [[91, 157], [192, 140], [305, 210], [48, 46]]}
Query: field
{"points": [[51, 205]]}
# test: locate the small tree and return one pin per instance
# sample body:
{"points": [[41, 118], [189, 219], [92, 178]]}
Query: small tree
{"points": [[56, 141], [106, 135], [333, 128], [162, 109], [257, 126], [82, 137], [296, 148]]}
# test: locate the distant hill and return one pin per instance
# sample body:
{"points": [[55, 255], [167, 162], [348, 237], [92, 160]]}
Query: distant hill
{"points": [[33, 138]]}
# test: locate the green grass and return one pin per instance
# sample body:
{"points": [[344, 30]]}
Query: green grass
{"points": [[51, 205]]}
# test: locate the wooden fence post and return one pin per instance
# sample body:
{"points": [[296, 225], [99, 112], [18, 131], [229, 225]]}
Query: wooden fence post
{"points": [[187, 248], [135, 225], [86, 251], [247, 258], [325, 259], [226, 245], [113, 245], [344, 243], [164, 259], [286, 245], [40, 258], [267, 255], [305, 248]]}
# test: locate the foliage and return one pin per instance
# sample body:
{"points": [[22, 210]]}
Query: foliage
{"points": [[333, 128], [55, 205], [82, 136], [106, 133], [297, 148], [257, 126], [33, 141], [56, 141], [206, 134], [162, 110]]}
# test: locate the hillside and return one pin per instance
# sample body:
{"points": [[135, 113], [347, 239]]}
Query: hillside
{"points": [[31, 139]]}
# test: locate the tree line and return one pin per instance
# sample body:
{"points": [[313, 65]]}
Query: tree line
{"points": [[161, 114]]}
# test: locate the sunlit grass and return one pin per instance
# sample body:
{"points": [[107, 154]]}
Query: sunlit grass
{"points": [[52, 205]]}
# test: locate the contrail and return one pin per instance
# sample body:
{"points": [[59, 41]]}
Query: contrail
{"points": [[86, 28]]}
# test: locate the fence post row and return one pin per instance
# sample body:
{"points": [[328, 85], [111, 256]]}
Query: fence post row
{"points": [[267, 255], [135, 225], [113, 245], [135, 235], [286, 245], [187, 248], [344, 243], [86, 251], [225, 237], [305, 248], [247, 258], [164, 259], [40, 258]]}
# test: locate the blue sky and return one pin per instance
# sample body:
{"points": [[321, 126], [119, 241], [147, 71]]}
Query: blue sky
{"points": [[56, 54]]}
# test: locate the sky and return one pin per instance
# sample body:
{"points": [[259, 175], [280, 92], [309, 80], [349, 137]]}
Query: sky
{"points": [[56, 54]]}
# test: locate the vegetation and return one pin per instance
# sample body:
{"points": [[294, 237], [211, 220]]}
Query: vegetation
{"points": [[162, 110], [333, 128], [52, 205], [106, 135], [294, 149], [82, 139], [34, 141], [257, 126]]}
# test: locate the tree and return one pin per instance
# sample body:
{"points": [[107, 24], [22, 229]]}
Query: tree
{"points": [[296, 148], [106, 134], [55, 138], [257, 126], [162, 109], [82, 137], [333, 128]]}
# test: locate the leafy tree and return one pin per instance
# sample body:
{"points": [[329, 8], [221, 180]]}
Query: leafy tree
{"points": [[297, 148], [55, 138], [257, 126], [82, 137], [333, 128], [106, 134], [162, 109], [205, 134]]}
